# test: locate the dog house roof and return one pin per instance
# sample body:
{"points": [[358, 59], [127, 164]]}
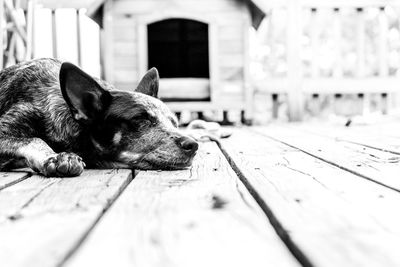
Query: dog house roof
{"points": [[95, 11]]}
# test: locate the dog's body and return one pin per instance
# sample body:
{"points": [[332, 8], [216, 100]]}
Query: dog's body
{"points": [[53, 115]]}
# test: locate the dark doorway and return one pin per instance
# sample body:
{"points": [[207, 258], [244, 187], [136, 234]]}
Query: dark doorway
{"points": [[179, 48]]}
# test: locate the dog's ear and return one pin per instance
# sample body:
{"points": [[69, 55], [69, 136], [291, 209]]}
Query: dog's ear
{"points": [[149, 83], [84, 96]]}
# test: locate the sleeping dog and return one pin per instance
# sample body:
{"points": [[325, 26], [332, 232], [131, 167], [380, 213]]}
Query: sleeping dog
{"points": [[56, 119]]}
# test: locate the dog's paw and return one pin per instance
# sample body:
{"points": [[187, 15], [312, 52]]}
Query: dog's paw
{"points": [[63, 164]]}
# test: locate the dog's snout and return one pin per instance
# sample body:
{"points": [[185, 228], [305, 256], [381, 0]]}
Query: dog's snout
{"points": [[187, 144]]}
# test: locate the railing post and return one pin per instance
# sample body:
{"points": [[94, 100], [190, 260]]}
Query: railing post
{"points": [[293, 39], [30, 29], [337, 32], [79, 38], [54, 33], [383, 49], [383, 56], [360, 71], [314, 36], [2, 27]]}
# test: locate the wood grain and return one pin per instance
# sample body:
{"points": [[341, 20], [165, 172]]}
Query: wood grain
{"points": [[43, 219], [331, 216], [203, 216], [379, 166]]}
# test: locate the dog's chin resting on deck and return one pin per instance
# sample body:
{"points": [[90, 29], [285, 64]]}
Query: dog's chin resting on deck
{"points": [[56, 119]]}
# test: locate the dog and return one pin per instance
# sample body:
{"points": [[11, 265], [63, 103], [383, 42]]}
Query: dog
{"points": [[56, 119]]}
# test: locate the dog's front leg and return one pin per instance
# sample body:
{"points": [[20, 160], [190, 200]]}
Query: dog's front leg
{"points": [[40, 157]]}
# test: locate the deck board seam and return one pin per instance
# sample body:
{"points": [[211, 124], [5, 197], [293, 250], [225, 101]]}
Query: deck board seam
{"points": [[35, 196], [328, 161], [280, 230], [388, 150], [369, 146], [26, 176], [97, 220]]}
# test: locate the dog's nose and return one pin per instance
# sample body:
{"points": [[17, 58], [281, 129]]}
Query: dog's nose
{"points": [[188, 145]]}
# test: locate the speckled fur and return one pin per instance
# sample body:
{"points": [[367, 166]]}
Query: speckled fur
{"points": [[134, 130]]}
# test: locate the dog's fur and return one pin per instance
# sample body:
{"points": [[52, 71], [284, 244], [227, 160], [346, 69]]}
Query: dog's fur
{"points": [[54, 117]]}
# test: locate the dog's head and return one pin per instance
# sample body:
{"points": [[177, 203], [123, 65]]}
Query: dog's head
{"points": [[127, 129]]}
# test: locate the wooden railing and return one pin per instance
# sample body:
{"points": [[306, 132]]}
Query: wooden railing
{"points": [[296, 82], [16, 32], [34, 31], [69, 35]]}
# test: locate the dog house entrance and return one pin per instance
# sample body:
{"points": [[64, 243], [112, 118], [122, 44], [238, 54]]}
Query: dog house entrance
{"points": [[178, 48]]}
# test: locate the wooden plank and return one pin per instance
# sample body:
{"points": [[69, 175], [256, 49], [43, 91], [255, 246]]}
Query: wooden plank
{"points": [[231, 60], [184, 88], [371, 164], [229, 47], [213, 48], [381, 137], [79, 36], [125, 62], [146, 6], [315, 28], [43, 33], [360, 42], [265, 5], [383, 43], [332, 85], [43, 219], [383, 56], [15, 19], [232, 74], [2, 31], [349, 3], [125, 75], [126, 86], [30, 14], [123, 33], [229, 19], [108, 42], [360, 48], [66, 25], [125, 48], [10, 178], [142, 53], [90, 45], [293, 44], [233, 33], [350, 86], [54, 34], [234, 101], [124, 21], [248, 88], [338, 39], [332, 216], [203, 216], [66, 3]]}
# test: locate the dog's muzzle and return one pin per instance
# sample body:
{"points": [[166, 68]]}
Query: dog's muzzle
{"points": [[187, 145]]}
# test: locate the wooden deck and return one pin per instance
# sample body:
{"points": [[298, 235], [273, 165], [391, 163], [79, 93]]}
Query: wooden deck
{"points": [[282, 195]]}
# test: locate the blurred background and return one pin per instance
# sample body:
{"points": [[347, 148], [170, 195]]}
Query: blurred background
{"points": [[232, 61]]}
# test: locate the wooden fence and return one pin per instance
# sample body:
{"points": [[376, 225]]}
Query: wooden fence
{"points": [[296, 83]]}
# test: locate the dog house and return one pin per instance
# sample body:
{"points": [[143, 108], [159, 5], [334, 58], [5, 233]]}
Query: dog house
{"points": [[200, 48]]}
